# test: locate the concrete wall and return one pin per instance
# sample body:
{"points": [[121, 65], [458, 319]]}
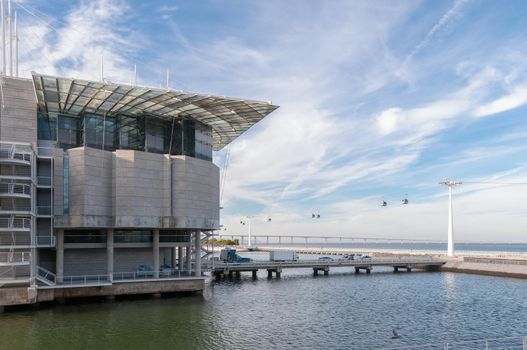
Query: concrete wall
{"points": [[80, 262], [128, 260], [18, 120], [132, 189], [58, 181], [141, 198], [195, 193]]}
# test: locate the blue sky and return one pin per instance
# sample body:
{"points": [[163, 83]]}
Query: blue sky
{"points": [[379, 99]]}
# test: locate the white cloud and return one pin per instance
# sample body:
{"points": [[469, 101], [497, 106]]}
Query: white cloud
{"points": [[516, 98]]}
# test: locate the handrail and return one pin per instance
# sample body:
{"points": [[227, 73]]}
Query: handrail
{"points": [[142, 275], [15, 222], [15, 257], [49, 277], [15, 188]]}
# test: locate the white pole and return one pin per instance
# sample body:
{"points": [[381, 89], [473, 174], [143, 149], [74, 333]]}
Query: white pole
{"points": [[168, 77], [10, 35], [3, 39], [450, 224], [16, 48], [135, 74], [249, 245]]}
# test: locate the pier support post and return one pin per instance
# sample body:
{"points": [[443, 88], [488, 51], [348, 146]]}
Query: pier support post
{"points": [[269, 274], [60, 256], [357, 270], [368, 270], [230, 274], [408, 269], [238, 274], [395, 269], [326, 271], [278, 274], [109, 254], [255, 276], [315, 272], [155, 247]]}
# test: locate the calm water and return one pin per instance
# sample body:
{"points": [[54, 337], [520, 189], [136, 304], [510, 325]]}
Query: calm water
{"points": [[340, 311]]}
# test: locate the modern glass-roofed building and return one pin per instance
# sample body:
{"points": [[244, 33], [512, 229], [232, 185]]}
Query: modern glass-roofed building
{"points": [[108, 189]]}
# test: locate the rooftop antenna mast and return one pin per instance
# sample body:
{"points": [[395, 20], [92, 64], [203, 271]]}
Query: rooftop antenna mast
{"points": [[16, 48], [10, 36], [3, 37], [135, 74], [168, 78]]}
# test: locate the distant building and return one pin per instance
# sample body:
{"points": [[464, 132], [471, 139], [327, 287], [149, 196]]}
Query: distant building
{"points": [[105, 186]]}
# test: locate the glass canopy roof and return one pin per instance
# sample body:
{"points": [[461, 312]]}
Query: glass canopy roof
{"points": [[228, 117]]}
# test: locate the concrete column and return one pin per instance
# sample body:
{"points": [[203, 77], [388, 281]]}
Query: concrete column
{"points": [[188, 256], [60, 256], [174, 257], [155, 247], [33, 267], [255, 276], [109, 254], [197, 253], [180, 258]]}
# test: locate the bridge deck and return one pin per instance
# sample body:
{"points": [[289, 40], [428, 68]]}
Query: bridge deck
{"points": [[222, 267]]}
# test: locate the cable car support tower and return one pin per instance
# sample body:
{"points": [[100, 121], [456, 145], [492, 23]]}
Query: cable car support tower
{"points": [[450, 183]]}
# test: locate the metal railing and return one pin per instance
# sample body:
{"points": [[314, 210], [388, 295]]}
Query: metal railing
{"points": [[142, 275], [15, 189], [44, 181], [509, 343], [15, 257], [85, 280], [46, 276], [15, 223], [15, 151]]}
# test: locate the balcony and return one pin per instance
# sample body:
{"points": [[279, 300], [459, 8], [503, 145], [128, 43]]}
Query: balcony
{"points": [[15, 153], [14, 258], [15, 224], [15, 190]]}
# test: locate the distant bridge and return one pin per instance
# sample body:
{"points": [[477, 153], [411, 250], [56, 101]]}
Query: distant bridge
{"points": [[309, 239]]}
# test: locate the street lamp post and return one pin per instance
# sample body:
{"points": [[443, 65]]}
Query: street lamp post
{"points": [[450, 183]]}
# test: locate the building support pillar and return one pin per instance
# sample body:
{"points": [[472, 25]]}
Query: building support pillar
{"points": [[60, 256], [109, 254], [197, 253], [155, 246], [180, 258], [188, 256], [173, 252]]}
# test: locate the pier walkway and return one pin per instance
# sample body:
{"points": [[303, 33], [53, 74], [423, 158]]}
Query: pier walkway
{"points": [[222, 269]]}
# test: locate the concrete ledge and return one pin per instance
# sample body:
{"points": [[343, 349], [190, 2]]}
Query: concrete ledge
{"points": [[487, 269]]}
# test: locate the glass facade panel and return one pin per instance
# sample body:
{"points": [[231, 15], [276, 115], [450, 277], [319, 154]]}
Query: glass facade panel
{"points": [[157, 135], [204, 142], [132, 236], [131, 132], [177, 138], [174, 236], [99, 130], [83, 236], [68, 132], [189, 138], [47, 126]]}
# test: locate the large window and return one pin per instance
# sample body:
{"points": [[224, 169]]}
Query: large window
{"points": [[189, 138], [203, 142], [99, 130], [47, 126], [157, 135], [132, 236], [131, 131], [69, 132]]}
